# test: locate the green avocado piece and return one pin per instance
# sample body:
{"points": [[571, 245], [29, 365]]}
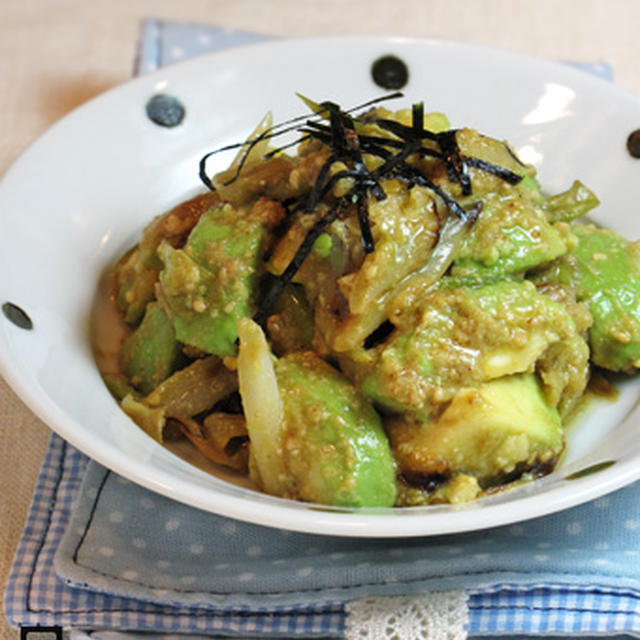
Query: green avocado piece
{"points": [[603, 270], [137, 271], [335, 447], [149, 354], [464, 336], [207, 286], [490, 432], [510, 236]]}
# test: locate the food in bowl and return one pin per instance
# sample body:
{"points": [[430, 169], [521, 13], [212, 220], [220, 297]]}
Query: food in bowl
{"points": [[394, 315]]}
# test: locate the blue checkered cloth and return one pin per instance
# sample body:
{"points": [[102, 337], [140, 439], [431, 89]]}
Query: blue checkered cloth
{"points": [[100, 553]]}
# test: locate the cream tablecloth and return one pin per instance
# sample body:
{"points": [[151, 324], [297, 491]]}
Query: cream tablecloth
{"points": [[56, 54]]}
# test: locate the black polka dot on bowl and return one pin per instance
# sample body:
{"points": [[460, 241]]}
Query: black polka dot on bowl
{"points": [[165, 110], [390, 72], [18, 316]]}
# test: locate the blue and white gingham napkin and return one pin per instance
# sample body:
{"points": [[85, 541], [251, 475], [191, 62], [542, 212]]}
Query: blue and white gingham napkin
{"points": [[101, 553]]}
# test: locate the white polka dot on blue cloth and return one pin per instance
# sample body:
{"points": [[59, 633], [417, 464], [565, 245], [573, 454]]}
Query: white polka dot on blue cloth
{"points": [[172, 525], [574, 528], [177, 52]]}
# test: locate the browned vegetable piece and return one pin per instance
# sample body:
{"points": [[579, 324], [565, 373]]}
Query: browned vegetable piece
{"points": [[221, 437], [186, 393], [194, 389]]}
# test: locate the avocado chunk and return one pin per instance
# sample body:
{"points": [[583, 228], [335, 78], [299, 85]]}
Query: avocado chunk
{"points": [[500, 428], [207, 286], [150, 353], [510, 236], [461, 337], [137, 271], [334, 440], [603, 269], [512, 232], [317, 438]]}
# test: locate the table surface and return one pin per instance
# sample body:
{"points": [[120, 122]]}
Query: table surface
{"points": [[56, 54]]}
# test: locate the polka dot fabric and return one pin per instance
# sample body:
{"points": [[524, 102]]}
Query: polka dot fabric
{"points": [[101, 552]]}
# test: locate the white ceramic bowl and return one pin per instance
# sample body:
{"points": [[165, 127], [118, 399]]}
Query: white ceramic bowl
{"points": [[82, 193]]}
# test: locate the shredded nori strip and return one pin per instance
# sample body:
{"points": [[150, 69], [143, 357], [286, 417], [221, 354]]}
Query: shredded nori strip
{"points": [[348, 146], [279, 129], [496, 170], [342, 138], [412, 176], [365, 226], [276, 289], [456, 167]]}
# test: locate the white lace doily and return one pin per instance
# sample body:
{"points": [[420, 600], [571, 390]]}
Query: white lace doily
{"points": [[431, 616]]}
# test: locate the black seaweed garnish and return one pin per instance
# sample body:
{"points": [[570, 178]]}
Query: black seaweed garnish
{"points": [[341, 131], [496, 170], [276, 289], [293, 124]]}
